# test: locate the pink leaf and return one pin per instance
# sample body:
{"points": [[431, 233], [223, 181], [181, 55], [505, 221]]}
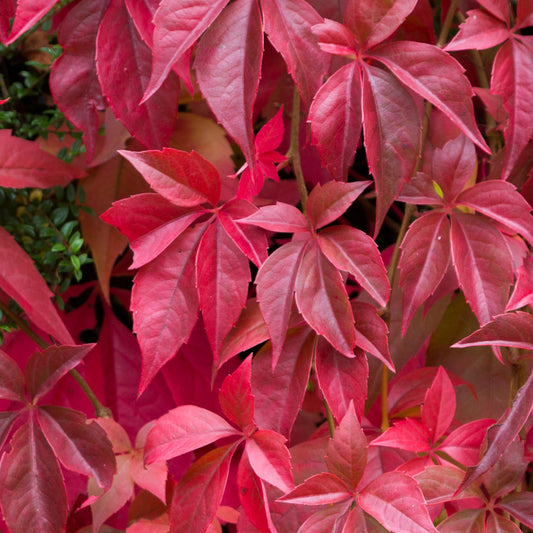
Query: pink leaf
{"points": [[222, 277], [270, 458], [498, 8], [178, 24], [523, 290], [11, 380], [152, 478], [32, 490], [323, 302], [24, 164], [435, 76], [321, 489], [236, 398], [44, 369], [183, 429], [165, 303], [328, 202], [120, 50], [79, 446], [439, 405], [353, 251], [346, 455], [509, 329], [330, 519], [288, 25], [28, 13], [335, 117], [199, 492], [7, 418], [392, 127], [482, 263], [408, 434], [520, 506], [467, 521], [335, 38], [228, 74], [497, 523], [397, 503], [281, 217], [186, 179]]}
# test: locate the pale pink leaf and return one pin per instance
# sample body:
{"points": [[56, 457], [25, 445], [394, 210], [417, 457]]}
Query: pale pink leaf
{"points": [[482, 263], [183, 429], [152, 478], [439, 405], [11, 380], [321, 489]]}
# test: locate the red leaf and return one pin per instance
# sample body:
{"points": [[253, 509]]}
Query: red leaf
{"points": [[374, 22], [523, 290], [322, 300], [482, 263], [330, 519], [328, 202], [335, 117], [79, 446], [236, 398], [520, 506], [222, 277], [397, 503], [6, 422], [467, 521], [228, 74], [270, 458], [73, 80], [178, 24], [11, 380], [24, 164], [408, 434], [439, 405], [288, 25], [44, 369], [199, 492], [511, 78], [341, 379], [165, 303], [322, 489], [186, 179], [435, 76], [346, 455], [283, 218], [392, 126], [119, 50], [497, 523], [32, 490], [500, 201], [424, 260], [183, 429], [353, 251], [28, 13], [335, 38], [509, 329]]}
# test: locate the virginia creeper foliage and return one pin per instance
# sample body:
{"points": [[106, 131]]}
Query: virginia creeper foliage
{"points": [[310, 305]]}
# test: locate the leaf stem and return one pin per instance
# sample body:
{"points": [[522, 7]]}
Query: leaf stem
{"points": [[330, 419], [294, 149]]}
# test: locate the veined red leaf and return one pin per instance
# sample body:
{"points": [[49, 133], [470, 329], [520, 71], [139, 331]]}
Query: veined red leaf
{"points": [[11, 380], [466, 520], [523, 290], [32, 490], [480, 31], [322, 300], [336, 119], [279, 393], [275, 286], [497, 523], [512, 78], [183, 429], [270, 459], [335, 38], [508, 329], [353, 251], [500, 201], [330, 519], [374, 22], [520, 506], [178, 25], [44, 369], [408, 434], [482, 263], [321, 489], [397, 503], [283, 218], [198, 494], [186, 179], [6, 422], [437, 77], [164, 303], [119, 44], [222, 277], [236, 398], [228, 74], [73, 80], [79, 446], [346, 455], [439, 405], [28, 13], [328, 202], [288, 24], [24, 164], [341, 379]]}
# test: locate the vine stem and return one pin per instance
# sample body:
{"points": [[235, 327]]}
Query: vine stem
{"points": [[100, 410], [294, 149], [330, 419]]}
